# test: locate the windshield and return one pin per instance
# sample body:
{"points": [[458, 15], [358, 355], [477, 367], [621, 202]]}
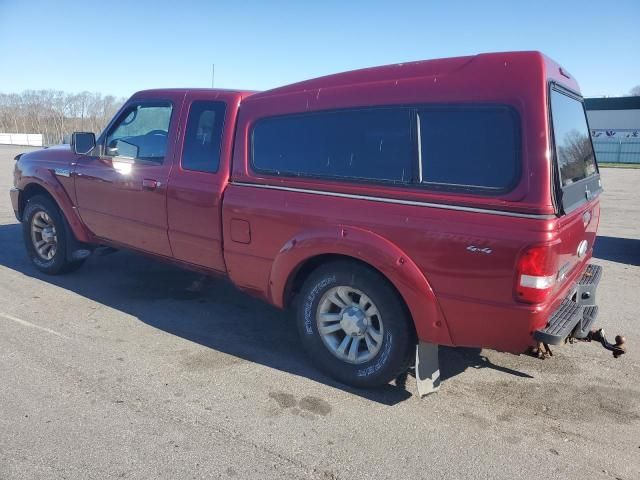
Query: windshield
{"points": [[573, 145]]}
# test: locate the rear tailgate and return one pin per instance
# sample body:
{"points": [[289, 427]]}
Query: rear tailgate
{"points": [[577, 232]]}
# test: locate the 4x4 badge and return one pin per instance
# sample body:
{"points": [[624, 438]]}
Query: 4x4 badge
{"points": [[473, 248]]}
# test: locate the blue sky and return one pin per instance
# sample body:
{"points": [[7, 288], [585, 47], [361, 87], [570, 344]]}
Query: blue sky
{"points": [[118, 47]]}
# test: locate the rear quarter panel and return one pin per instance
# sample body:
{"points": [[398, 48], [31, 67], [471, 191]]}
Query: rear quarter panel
{"points": [[473, 289]]}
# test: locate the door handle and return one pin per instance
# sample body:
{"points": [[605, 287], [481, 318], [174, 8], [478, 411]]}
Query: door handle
{"points": [[150, 184]]}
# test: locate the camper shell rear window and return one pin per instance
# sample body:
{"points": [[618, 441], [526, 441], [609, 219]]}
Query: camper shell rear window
{"points": [[574, 151]]}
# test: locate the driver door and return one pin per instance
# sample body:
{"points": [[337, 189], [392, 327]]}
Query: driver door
{"points": [[121, 192]]}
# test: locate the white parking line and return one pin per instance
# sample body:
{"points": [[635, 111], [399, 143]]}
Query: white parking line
{"points": [[32, 325]]}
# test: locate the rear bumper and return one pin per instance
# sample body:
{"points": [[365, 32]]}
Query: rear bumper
{"points": [[577, 313], [14, 193]]}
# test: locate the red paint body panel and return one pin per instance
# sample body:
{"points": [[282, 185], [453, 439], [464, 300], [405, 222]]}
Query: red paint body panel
{"points": [[115, 206], [194, 199], [39, 168], [261, 229], [105, 199]]}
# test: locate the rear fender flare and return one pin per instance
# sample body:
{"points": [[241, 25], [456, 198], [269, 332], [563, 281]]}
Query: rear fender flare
{"points": [[375, 251]]}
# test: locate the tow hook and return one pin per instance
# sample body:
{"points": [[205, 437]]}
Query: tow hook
{"points": [[617, 348]]}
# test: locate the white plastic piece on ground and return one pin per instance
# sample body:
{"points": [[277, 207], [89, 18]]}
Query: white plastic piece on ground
{"points": [[427, 368]]}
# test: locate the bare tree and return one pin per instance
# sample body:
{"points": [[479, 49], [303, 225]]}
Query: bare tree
{"points": [[55, 114], [635, 91], [575, 155]]}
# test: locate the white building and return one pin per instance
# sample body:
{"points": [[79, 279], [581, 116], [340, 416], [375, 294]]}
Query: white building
{"points": [[615, 128], [614, 114]]}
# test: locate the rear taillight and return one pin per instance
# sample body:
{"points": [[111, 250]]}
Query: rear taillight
{"points": [[536, 274]]}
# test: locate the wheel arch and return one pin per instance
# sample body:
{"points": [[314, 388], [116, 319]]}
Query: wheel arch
{"points": [[304, 253], [30, 191], [60, 198], [307, 267]]}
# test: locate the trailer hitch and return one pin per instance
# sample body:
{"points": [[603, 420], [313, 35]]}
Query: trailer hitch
{"points": [[541, 351], [617, 348]]}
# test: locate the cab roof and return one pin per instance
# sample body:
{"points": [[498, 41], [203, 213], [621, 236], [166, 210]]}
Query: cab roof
{"points": [[215, 92]]}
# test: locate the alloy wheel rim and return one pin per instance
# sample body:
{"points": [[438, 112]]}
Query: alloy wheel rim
{"points": [[349, 324], [43, 235]]}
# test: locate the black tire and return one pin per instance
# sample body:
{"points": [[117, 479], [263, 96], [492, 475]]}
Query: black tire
{"points": [[58, 264], [394, 355]]}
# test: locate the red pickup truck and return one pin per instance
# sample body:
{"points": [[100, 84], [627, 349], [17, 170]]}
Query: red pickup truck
{"points": [[444, 202]]}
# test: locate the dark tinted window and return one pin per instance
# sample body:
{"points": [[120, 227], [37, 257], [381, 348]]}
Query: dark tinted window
{"points": [[571, 134], [469, 147], [203, 135], [372, 144]]}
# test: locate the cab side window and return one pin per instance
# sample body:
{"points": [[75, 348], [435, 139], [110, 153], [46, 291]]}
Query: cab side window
{"points": [[141, 132], [203, 136]]}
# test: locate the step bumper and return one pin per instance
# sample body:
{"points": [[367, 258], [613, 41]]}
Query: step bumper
{"points": [[577, 313]]}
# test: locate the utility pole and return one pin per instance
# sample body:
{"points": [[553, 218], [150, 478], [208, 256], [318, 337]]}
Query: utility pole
{"points": [[213, 73]]}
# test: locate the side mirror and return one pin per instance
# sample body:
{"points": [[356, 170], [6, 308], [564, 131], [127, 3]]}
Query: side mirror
{"points": [[112, 149], [83, 142], [120, 147]]}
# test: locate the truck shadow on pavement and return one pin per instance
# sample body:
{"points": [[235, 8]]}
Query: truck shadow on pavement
{"points": [[217, 316], [616, 249]]}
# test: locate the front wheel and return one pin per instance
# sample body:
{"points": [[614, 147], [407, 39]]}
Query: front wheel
{"points": [[353, 325], [45, 236]]}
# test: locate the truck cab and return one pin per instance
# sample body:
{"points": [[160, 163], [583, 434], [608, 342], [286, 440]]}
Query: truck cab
{"points": [[156, 180], [152, 181]]}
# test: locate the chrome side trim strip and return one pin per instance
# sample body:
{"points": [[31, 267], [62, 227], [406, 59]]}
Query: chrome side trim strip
{"points": [[396, 201], [419, 147]]}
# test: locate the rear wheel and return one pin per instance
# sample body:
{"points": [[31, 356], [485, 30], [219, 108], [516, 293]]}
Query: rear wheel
{"points": [[45, 237], [353, 324]]}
